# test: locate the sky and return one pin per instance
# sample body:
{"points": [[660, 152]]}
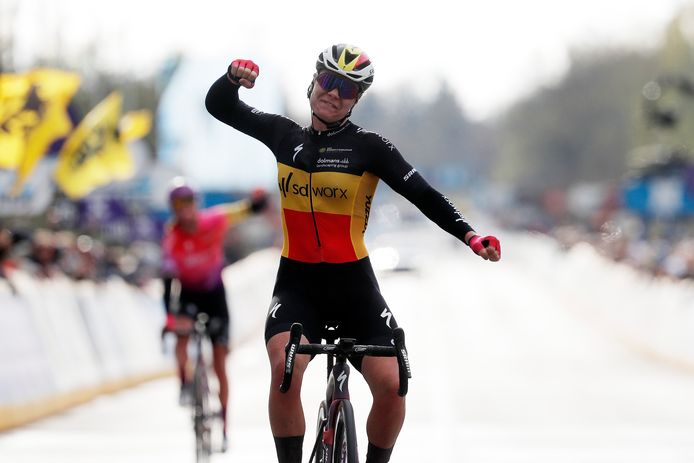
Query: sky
{"points": [[491, 53]]}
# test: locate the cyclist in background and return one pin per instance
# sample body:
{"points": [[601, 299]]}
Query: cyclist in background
{"points": [[193, 257], [327, 176]]}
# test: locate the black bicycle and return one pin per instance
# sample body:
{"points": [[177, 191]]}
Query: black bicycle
{"points": [[203, 414], [336, 436]]}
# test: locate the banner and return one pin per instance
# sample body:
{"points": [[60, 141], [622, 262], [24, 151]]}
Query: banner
{"points": [[33, 114], [96, 152], [14, 118]]}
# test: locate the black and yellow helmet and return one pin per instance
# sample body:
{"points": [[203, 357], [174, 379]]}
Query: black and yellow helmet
{"points": [[348, 61]]}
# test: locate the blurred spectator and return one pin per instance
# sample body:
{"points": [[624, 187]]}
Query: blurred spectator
{"points": [[42, 261], [6, 261], [80, 259]]}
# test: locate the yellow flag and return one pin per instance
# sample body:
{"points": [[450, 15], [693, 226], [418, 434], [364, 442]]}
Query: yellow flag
{"points": [[15, 118], [39, 119], [134, 125], [96, 153]]}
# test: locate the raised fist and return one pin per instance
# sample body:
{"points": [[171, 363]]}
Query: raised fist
{"points": [[243, 72]]}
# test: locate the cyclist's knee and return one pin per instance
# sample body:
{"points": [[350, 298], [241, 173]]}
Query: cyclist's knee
{"points": [[382, 375], [276, 355]]}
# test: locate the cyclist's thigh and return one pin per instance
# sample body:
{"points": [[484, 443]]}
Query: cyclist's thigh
{"points": [[288, 307], [365, 313], [189, 303], [214, 304]]}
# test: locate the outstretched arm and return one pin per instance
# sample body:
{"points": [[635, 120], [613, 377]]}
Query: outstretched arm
{"points": [[405, 180]]}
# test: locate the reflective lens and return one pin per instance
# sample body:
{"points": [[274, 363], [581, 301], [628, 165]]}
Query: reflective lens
{"points": [[347, 89]]}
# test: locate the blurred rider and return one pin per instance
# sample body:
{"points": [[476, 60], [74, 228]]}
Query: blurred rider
{"points": [[327, 177], [194, 258]]}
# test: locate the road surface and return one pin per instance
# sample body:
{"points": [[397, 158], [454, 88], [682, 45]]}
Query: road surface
{"points": [[505, 371]]}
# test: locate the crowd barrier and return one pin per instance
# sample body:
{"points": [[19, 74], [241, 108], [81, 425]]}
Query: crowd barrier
{"points": [[64, 342], [653, 315]]}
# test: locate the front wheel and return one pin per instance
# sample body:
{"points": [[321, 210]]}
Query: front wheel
{"points": [[321, 450], [345, 446], [201, 416]]}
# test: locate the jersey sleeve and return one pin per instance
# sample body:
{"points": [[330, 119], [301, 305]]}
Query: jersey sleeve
{"points": [[392, 168], [168, 263], [223, 102]]}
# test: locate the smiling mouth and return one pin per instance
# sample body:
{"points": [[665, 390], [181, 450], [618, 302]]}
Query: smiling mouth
{"points": [[330, 103]]}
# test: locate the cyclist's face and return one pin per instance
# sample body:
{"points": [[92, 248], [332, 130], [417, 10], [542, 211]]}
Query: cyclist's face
{"points": [[184, 209], [328, 104]]}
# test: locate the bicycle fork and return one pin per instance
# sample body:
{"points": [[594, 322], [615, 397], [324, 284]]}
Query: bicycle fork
{"points": [[336, 391]]}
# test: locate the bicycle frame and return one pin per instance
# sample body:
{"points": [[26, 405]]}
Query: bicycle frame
{"points": [[201, 393], [336, 409]]}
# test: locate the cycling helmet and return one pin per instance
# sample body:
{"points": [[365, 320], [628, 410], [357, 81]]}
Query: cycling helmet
{"points": [[180, 190], [348, 61]]}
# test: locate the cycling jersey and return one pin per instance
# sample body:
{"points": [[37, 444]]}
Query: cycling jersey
{"points": [[327, 180], [196, 258]]}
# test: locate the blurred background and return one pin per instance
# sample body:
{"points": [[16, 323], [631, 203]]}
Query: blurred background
{"points": [[564, 129]]}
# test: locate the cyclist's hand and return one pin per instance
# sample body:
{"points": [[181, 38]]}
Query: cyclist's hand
{"points": [[487, 247], [176, 324], [243, 72], [169, 324], [258, 200]]}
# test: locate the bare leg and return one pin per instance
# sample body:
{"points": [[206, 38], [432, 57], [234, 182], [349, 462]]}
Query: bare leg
{"points": [[219, 357], [286, 412], [387, 413], [182, 357]]}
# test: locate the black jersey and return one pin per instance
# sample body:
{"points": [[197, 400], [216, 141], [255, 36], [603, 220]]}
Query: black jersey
{"points": [[327, 180]]}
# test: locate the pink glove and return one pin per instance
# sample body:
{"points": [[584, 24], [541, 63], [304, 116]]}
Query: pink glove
{"points": [[170, 322], [478, 243], [243, 72]]}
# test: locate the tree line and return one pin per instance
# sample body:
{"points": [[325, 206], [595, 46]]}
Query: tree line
{"points": [[614, 110]]}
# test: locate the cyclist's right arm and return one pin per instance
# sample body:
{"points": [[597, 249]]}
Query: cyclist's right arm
{"points": [[168, 274], [224, 104]]}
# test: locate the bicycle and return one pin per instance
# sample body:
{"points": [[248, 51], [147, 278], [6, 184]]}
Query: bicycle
{"points": [[202, 412], [336, 436]]}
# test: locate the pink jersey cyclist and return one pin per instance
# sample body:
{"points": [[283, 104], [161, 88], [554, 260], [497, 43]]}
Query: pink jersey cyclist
{"points": [[196, 258], [193, 255]]}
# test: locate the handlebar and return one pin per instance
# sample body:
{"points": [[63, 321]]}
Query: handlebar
{"points": [[347, 348]]}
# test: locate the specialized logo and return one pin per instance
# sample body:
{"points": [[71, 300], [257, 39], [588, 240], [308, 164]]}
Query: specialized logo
{"points": [[297, 149], [341, 379], [275, 308], [387, 315]]}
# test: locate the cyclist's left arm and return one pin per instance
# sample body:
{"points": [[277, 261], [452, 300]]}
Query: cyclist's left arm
{"points": [[404, 179]]}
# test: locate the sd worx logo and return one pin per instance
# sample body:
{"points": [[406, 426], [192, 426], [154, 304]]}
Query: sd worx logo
{"points": [[287, 187]]}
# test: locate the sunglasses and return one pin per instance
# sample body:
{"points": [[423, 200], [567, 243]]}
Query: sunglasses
{"points": [[347, 89]]}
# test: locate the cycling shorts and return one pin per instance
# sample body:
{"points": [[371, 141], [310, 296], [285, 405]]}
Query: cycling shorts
{"points": [[346, 294], [212, 302]]}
